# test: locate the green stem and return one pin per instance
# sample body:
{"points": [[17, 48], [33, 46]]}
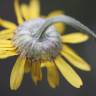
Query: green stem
{"points": [[66, 20]]}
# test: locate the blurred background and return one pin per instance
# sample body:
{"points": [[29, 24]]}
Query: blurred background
{"points": [[84, 11]]}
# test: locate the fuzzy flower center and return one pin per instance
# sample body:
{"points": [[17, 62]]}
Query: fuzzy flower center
{"points": [[26, 40]]}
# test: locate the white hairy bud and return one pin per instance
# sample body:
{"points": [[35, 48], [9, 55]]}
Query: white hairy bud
{"points": [[39, 40], [26, 40]]}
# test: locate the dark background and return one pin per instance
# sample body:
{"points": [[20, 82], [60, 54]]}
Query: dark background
{"points": [[83, 10]]}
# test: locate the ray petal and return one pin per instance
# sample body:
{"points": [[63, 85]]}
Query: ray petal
{"points": [[34, 8], [7, 49], [6, 43], [52, 74], [69, 74], [17, 73], [74, 38], [18, 13], [59, 26], [25, 11], [7, 24], [6, 34], [36, 72], [28, 66], [75, 59], [5, 54]]}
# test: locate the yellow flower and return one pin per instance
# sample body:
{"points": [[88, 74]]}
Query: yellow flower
{"points": [[9, 46]]}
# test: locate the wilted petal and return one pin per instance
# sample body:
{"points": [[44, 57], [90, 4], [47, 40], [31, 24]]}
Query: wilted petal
{"points": [[52, 74], [36, 72], [28, 66]]}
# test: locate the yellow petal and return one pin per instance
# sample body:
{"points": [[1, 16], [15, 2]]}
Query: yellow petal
{"points": [[59, 26], [69, 74], [42, 65], [18, 13], [7, 24], [52, 74], [17, 73], [7, 48], [75, 59], [25, 11], [55, 13], [34, 8], [6, 54], [6, 43], [6, 34], [28, 66], [74, 38], [36, 72]]}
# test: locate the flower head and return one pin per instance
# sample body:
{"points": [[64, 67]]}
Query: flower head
{"points": [[39, 45]]}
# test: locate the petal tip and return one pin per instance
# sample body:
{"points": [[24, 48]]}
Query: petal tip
{"points": [[85, 36], [88, 68], [80, 85]]}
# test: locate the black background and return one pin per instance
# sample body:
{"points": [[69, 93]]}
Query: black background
{"points": [[83, 10]]}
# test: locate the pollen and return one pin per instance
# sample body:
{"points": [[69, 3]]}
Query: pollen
{"points": [[44, 48]]}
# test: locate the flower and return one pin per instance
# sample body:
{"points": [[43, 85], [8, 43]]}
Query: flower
{"points": [[50, 52]]}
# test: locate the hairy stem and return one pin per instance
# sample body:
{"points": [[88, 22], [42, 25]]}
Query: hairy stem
{"points": [[66, 20]]}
